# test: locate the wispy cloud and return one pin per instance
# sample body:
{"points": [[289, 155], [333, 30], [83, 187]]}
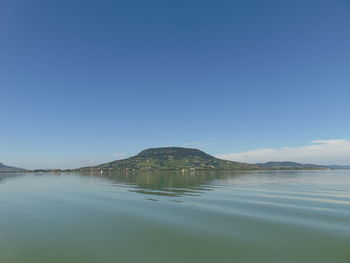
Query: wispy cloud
{"points": [[318, 151], [119, 155], [199, 144]]}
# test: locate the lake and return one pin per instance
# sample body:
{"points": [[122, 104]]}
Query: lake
{"points": [[165, 217]]}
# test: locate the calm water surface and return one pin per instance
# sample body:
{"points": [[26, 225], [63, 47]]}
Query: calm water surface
{"points": [[279, 216]]}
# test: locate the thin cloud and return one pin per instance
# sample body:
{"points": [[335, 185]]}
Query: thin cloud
{"points": [[318, 152], [199, 144], [119, 155]]}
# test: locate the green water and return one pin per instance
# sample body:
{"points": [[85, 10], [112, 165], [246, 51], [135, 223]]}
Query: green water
{"points": [[279, 216]]}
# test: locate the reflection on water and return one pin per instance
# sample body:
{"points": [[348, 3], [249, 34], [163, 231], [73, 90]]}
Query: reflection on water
{"points": [[237, 216], [10, 176], [174, 184]]}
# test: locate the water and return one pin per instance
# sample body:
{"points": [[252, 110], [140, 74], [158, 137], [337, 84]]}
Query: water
{"points": [[256, 216]]}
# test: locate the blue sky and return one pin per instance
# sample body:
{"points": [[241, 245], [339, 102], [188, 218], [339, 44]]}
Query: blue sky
{"points": [[83, 82]]}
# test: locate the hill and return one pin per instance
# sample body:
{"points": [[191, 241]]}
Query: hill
{"points": [[290, 165], [171, 158], [9, 169], [336, 166]]}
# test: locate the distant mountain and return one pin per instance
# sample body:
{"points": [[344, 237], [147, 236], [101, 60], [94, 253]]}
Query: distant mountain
{"points": [[294, 165], [335, 166], [171, 158], [9, 169], [290, 165]]}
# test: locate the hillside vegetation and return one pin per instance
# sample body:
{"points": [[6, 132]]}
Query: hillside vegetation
{"points": [[171, 158]]}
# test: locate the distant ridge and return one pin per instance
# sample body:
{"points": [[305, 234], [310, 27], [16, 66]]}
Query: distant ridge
{"points": [[171, 158], [336, 166], [10, 169], [291, 165], [288, 164]]}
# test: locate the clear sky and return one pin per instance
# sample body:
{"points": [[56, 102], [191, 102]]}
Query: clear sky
{"points": [[83, 82]]}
